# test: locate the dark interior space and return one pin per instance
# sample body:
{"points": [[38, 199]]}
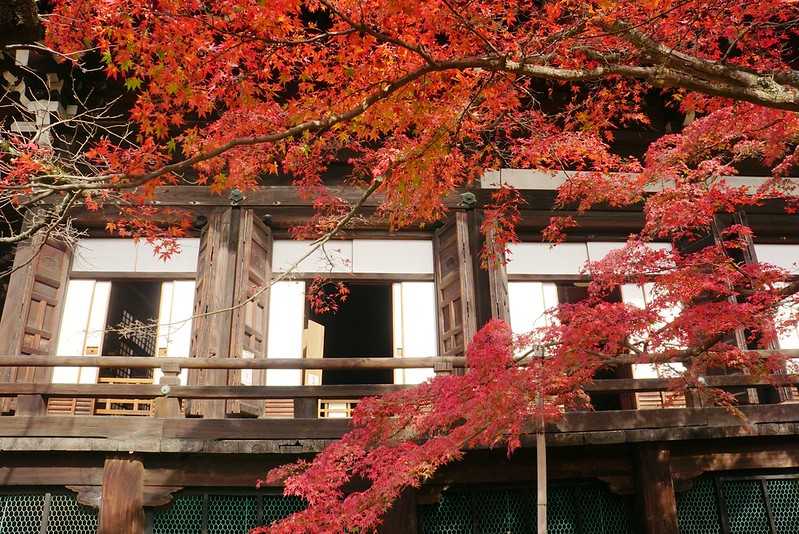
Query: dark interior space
{"points": [[575, 292], [131, 304], [361, 327]]}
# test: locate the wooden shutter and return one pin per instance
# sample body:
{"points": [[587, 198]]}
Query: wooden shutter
{"points": [[457, 316], [32, 310], [498, 288], [214, 291], [250, 321]]}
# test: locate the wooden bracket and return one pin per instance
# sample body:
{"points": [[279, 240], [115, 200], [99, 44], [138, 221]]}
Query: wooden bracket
{"points": [[88, 495]]}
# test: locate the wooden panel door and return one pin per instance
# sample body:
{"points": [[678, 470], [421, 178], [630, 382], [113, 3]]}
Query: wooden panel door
{"points": [[251, 301], [498, 286], [32, 310], [457, 316], [212, 302]]}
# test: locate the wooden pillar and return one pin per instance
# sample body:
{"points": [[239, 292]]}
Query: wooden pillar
{"points": [[656, 490], [122, 504], [306, 408], [401, 518]]}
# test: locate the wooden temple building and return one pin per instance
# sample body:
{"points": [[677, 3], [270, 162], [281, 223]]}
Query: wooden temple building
{"points": [[165, 430]]}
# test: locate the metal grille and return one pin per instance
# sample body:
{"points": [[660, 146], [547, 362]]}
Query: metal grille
{"points": [[740, 504], [221, 513], [746, 513], [69, 517], [573, 509], [184, 516], [45, 513], [697, 508], [783, 495], [21, 514]]}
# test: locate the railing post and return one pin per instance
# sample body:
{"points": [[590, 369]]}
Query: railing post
{"points": [[30, 405], [167, 406]]}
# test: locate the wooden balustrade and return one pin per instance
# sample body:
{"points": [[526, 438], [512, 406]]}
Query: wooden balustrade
{"points": [[113, 396]]}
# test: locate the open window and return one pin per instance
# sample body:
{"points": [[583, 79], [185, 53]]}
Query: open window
{"points": [[787, 257], [541, 277], [383, 316], [129, 311]]}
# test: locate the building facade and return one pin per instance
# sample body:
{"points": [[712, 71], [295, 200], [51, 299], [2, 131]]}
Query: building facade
{"points": [[145, 413]]}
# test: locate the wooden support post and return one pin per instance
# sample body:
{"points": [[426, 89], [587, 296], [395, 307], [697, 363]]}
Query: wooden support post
{"points": [[168, 406], [443, 368], [306, 408], [401, 517], [30, 405], [122, 505], [656, 490]]}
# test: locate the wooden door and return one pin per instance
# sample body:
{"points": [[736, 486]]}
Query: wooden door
{"points": [[498, 286], [455, 291], [212, 302], [251, 307], [32, 310]]}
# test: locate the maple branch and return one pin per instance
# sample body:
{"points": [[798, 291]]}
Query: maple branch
{"points": [[380, 36]]}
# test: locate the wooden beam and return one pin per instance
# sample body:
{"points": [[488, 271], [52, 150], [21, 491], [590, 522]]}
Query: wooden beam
{"points": [[122, 504], [147, 362], [264, 429], [656, 490], [266, 197], [133, 391]]}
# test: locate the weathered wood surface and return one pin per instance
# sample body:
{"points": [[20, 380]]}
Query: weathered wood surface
{"points": [[266, 196], [353, 391], [122, 501], [243, 429], [250, 321], [215, 279], [455, 288], [142, 362], [656, 490], [32, 308]]}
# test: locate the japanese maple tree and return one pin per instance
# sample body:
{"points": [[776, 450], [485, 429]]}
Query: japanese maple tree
{"points": [[423, 98]]}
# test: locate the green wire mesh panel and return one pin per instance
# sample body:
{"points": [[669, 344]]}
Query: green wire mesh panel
{"points": [[599, 511], [274, 507], [69, 517], [211, 513], [184, 516], [783, 496], [232, 514], [21, 514], [452, 515], [60, 512], [580, 509], [746, 509], [697, 508]]}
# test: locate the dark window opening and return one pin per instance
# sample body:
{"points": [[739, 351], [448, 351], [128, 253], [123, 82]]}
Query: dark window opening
{"points": [[131, 305], [571, 293], [362, 327]]}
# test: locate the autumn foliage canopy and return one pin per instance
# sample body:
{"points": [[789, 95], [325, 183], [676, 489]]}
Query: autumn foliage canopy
{"points": [[421, 98]]}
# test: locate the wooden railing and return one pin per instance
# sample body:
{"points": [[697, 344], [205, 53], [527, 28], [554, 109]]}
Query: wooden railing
{"points": [[164, 399]]}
